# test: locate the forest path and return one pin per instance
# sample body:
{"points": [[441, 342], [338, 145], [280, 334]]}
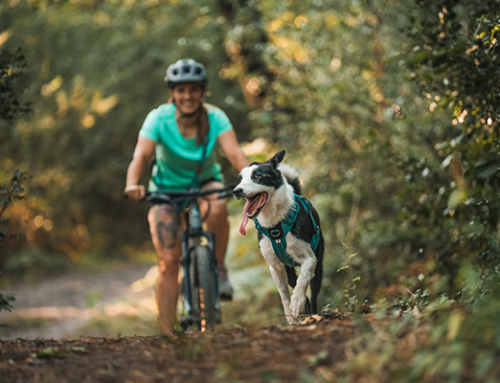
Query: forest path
{"points": [[60, 306], [311, 353], [62, 349]]}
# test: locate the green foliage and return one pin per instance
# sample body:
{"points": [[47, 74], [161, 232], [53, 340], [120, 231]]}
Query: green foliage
{"points": [[33, 264], [12, 65], [350, 288], [350, 120], [454, 55], [389, 110], [57, 353], [433, 341], [390, 119], [5, 302], [9, 194], [96, 71], [335, 89], [446, 330], [454, 58]]}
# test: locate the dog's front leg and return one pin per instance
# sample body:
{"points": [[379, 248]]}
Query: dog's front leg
{"points": [[279, 275], [299, 292]]}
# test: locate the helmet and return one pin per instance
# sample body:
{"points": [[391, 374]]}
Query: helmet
{"points": [[186, 70]]}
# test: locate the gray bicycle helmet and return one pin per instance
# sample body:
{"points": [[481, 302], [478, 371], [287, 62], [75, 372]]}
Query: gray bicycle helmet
{"points": [[186, 70]]}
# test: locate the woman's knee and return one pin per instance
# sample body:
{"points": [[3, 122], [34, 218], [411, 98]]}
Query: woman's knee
{"points": [[168, 265], [218, 212], [216, 208]]}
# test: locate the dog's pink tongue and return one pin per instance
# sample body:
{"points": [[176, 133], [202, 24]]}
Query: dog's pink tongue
{"points": [[245, 217]]}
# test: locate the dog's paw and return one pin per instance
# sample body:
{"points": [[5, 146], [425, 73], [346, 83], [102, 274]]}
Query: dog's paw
{"points": [[291, 321], [297, 305]]}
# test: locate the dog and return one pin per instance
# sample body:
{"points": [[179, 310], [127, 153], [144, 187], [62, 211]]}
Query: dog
{"points": [[289, 231]]}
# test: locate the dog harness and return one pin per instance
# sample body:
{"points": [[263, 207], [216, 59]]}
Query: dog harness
{"points": [[277, 235]]}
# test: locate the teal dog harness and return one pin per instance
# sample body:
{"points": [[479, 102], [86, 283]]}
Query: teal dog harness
{"points": [[277, 235]]}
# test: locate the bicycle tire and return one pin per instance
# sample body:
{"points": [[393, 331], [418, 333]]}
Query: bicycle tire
{"points": [[195, 292], [207, 285]]}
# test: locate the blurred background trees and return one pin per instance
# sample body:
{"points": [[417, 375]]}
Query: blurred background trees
{"points": [[389, 110], [12, 64]]}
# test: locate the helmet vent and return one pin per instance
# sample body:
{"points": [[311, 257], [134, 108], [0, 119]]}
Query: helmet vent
{"points": [[175, 71], [185, 69], [197, 70]]}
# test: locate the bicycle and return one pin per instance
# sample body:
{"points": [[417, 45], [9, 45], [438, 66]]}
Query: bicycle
{"points": [[199, 292]]}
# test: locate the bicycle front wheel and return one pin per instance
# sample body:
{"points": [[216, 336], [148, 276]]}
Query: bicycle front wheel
{"points": [[208, 286]]}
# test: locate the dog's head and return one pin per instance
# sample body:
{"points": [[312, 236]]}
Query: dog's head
{"points": [[257, 182]]}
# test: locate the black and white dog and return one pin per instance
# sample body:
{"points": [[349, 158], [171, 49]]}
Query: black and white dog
{"points": [[288, 231]]}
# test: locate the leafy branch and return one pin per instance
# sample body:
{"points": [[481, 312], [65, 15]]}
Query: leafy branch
{"points": [[14, 192], [5, 302], [350, 290], [12, 65]]}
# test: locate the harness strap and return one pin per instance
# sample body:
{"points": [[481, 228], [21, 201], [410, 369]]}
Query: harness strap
{"points": [[277, 235], [308, 207]]}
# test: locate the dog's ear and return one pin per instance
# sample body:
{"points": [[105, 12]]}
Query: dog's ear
{"points": [[278, 157]]}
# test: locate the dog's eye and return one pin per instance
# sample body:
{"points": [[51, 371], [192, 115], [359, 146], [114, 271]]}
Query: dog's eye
{"points": [[240, 178], [255, 177]]}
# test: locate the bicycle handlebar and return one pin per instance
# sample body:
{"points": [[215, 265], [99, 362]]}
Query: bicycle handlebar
{"points": [[175, 195]]}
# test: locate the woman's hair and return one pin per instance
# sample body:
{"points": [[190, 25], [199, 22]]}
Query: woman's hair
{"points": [[202, 123]]}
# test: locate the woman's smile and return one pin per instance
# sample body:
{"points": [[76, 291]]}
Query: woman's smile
{"points": [[187, 97]]}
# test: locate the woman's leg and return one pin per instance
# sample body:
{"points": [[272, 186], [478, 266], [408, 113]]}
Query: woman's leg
{"points": [[216, 220], [165, 224], [217, 223]]}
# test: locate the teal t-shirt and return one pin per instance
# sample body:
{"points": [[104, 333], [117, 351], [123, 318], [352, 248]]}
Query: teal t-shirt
{"points": [[177, 157]]}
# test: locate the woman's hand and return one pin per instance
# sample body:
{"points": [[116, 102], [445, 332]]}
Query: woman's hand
{"points": [[143, 154], [135, 192]]}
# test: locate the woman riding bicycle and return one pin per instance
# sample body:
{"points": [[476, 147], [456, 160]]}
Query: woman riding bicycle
{"points": [[181, 135]]}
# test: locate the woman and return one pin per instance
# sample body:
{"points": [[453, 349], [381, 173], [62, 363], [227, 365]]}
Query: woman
{"points": [[176, 134]]}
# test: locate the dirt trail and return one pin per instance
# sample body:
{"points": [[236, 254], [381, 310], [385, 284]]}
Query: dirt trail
{"points": [[309, 353], [62, 351], [58, 307]]}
